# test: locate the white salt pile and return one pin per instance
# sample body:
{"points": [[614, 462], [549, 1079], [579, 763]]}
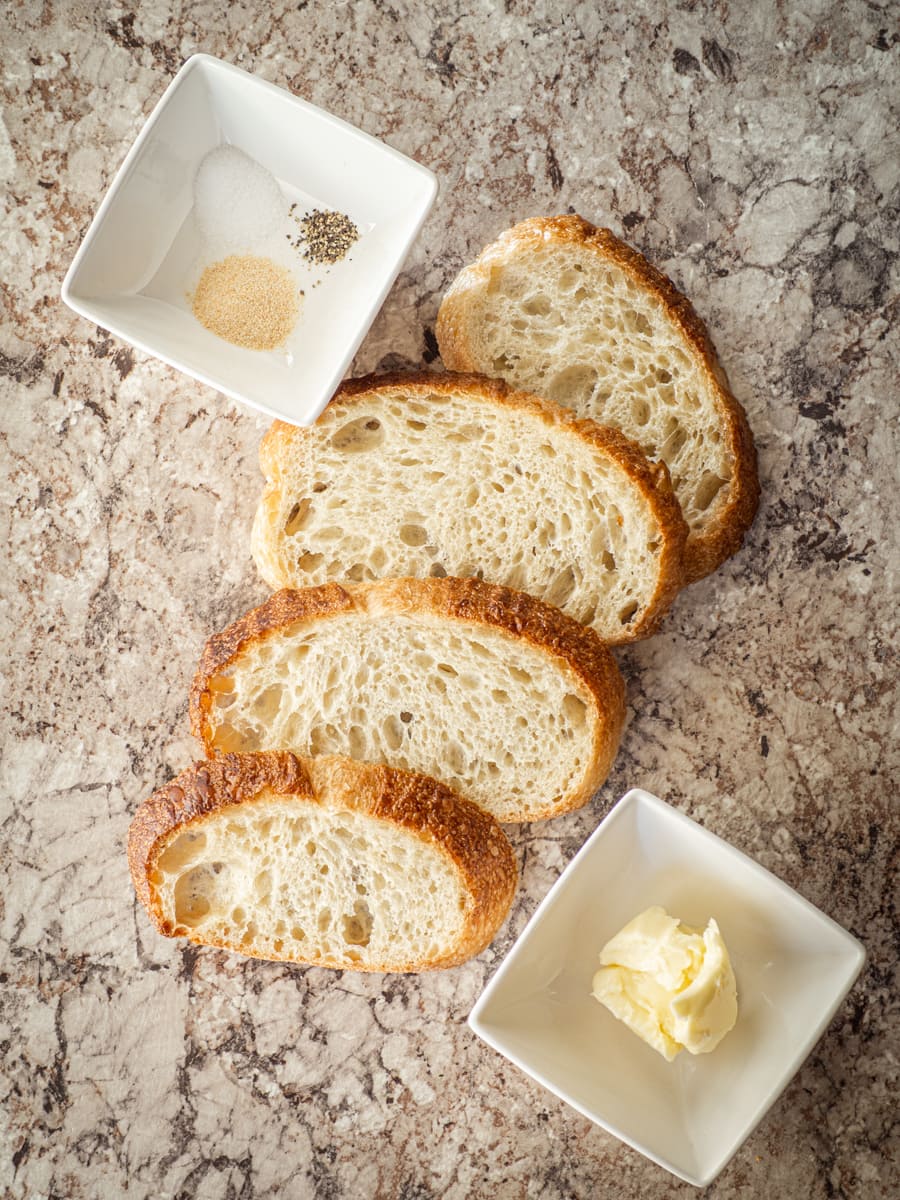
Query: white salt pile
{"points": [[236, 200]]}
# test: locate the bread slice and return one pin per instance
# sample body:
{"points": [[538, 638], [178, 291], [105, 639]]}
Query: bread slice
{"points": [[501, 697], [566, 310], [324, 861], [418, 475]]}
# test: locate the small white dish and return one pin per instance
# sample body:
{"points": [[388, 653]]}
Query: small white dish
{"points": [[793, 966], [131, 274]]}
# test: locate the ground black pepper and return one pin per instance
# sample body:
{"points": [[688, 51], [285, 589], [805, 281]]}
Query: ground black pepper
{"points": [[328, 235]]}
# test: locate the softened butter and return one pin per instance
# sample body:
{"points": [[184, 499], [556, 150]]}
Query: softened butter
{"points": [[671, 984]]}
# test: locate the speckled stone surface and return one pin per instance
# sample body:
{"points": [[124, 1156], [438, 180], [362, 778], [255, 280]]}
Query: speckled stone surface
{"points": [[751, 151]]}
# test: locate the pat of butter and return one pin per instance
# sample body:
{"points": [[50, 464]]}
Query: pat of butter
{"points": [[671, 984]]}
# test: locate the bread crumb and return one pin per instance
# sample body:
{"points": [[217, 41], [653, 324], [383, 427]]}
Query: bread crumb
{"points": [[248, 301]]}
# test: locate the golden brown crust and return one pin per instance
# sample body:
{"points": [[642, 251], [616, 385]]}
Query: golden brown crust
{"points": [[468, 836], [651, 479], [705, 550], [199, 790], [471, 601]]}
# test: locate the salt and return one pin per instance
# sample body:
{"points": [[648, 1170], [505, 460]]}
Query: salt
{"points": [[237, 201]]}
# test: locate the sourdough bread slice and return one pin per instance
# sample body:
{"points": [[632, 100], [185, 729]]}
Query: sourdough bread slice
{"points": [[418, 475], [566, 310], [503, 698], [323, 861]]}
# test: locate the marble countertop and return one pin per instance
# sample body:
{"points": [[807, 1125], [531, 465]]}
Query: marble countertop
{"points": [[751, 151]]}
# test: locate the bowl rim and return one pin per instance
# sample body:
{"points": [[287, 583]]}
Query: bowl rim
{"points": [[87, 307], [637, 797]]}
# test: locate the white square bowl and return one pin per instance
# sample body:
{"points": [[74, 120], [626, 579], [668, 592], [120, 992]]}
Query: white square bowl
{"points": [[793, 967], [131, 273]]}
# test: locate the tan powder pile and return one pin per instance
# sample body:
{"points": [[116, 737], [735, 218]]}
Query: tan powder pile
{"points": [[249, 301]]}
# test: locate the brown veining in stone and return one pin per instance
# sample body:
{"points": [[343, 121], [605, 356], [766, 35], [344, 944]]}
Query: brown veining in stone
{"points": [[751, 152]]}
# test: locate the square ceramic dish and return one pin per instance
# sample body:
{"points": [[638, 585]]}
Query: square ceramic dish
{"points": [[133, 272], [793, 967]]}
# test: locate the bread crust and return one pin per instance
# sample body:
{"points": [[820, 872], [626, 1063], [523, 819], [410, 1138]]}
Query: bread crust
{"points": [[471, 601], [705, 550], [650, 478], [459, 829]]}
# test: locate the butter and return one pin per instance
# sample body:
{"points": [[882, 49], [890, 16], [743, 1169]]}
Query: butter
{"points": [[671, 984]]}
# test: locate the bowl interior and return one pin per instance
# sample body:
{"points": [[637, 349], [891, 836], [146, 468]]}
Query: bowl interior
{"points": [[139, 261], [793, 966]]}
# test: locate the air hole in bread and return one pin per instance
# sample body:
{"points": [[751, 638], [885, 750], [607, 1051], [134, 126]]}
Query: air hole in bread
{"points": [[359, 436], [262, 884], [691, 400], [406, 717], [298, 517], [626, 614], [418, 426], [324, 920], [311, 849], [193, 894], [357, 741], [537, 306], [392, 732], [185, 848], [267, 704], [640, 324], [357, 929], [238, 915], [569, 279], [562, 587], [707, 490], [318, 740], [356, 573], [675, 437], [319, 487], [446, 669], [413, 535], [310, 562], [575, 711], [572, 386], [438, 571], [470, 432], [298, 934], [455, 757], [608, 560], [640, 410]]}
